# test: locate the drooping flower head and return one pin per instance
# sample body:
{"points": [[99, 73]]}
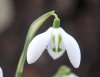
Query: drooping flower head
{"points": [[56, 41], [70, 75], [64, 71]]}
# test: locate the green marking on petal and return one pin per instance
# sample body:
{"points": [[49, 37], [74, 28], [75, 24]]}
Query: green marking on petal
{"points": [[59, 42], [53, 39], [59, 49], [59, 39], [54, 49], [47, 46]]}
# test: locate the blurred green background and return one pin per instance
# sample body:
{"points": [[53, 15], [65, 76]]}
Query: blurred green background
{"points": [[80, 18]]}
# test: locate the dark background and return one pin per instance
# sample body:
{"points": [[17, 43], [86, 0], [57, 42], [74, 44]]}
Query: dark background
{"points": [[80, 18]]}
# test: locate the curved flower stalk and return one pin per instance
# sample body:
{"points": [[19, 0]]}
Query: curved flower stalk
{"points": [[56, 41], [1, 72], [32, 31]]}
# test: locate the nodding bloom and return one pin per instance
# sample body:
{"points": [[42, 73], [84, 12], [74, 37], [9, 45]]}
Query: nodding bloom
{"points": [[1, 72], [56, 41], [70, 75]]}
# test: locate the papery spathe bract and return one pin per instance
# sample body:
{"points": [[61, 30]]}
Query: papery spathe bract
{"points": [[56, 41]]}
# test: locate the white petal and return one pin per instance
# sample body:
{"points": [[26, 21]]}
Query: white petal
{"points": [[55, 54], [1, 72], [72, 48], [38, 45]]}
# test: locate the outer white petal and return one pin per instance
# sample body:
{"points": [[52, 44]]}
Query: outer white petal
{"points": [[72, 48], [38, 45], [1, 72], [56, 54], [70, 75]]}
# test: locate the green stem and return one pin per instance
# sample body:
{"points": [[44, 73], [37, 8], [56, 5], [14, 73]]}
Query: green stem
{"points": [[32, 31]]}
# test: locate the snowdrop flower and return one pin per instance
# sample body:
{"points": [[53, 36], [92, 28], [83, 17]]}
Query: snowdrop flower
{"points": [[1, 72], [56, 41], [64, 71], [70, 75]]}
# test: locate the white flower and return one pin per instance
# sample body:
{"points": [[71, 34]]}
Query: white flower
{"points": [[1, 72], [56, 40], [70, 75]]}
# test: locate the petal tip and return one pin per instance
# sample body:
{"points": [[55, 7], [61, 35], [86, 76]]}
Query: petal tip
{"points": [[29, 61], [1, 72], [77, 64]]}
